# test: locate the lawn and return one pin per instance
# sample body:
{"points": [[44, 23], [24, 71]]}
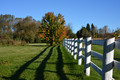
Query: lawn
{"points": [[98, 48], [42, 62]]}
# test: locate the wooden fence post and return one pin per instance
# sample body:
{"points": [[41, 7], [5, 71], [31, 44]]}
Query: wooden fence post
{"points": [[63, 42], [87, 60], [75, 49], [72, 47], [80, 51], [108, 57], [68, 45]]}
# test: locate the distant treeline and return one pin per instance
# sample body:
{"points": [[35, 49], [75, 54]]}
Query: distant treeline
{"points": [[51, 29], [19, 31], [93, 31]]}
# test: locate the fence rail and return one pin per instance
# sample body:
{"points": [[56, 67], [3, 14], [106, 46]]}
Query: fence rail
{"points": [[75, 47], [101, 42]]}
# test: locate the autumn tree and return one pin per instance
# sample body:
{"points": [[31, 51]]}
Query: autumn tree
{"points": [[53, 29]]}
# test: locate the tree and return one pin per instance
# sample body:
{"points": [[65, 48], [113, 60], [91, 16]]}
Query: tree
{"points": [[6, 29], [6, 22], [26, 30], [53, 29], [82, 33], [69, 32], [85, 32], [78, 34], [105, 29], [117, 33], [88, 27], [93, 30]]}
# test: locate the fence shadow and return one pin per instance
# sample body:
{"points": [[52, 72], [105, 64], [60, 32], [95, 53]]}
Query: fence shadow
{"points": [[118, 59], [59, 65], [17, 74], [38, 45], [40, 70]]}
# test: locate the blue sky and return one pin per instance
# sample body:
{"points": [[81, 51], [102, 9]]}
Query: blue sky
{"points": [[76, 12]]}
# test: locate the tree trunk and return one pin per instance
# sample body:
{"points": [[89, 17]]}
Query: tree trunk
{"points": [[51, 43]]}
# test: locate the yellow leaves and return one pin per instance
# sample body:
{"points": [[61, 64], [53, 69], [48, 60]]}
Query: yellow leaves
{"points": [[55, 28]]}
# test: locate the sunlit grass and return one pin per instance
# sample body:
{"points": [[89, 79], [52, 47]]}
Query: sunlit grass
{"points": [[53, 63]]}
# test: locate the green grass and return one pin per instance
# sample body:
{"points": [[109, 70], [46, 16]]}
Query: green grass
{"points": [[99, 49], [36, 62]]}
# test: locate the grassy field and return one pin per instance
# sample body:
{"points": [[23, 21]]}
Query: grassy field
{"points": [[39, 62], [99, 49]]}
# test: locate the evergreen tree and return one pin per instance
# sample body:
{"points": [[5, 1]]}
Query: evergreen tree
{"points": [[88, 27], [93, 30]]}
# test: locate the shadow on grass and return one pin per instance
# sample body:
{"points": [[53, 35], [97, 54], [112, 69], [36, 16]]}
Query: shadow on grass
{"points": [[72, 74], [38, 45], [59, 65], [40, 70], [17, 74], [118, 59], [55, 63], [74, 69]]}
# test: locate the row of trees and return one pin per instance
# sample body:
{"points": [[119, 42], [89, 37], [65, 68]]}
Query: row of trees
{"points": [[18, 30], [87, 31], [93, 31], [50, 29]]}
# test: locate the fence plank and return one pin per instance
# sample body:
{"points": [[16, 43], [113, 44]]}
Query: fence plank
{"points": [[68, 45], [83, 57], [108, 55], [72, 46], [97, 55], [117, 44], [117, 64], [83, 49], [107, 58], [87, 56], [80, 51], [96, 68], [98, 42], [75, 48]]}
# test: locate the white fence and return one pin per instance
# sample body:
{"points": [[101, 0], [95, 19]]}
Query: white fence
{"points": [[75, 47], [101, 42]]}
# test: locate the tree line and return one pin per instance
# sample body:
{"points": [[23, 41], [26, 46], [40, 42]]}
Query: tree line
{"points": [[51, 29], [93, 31], [19, 31]]}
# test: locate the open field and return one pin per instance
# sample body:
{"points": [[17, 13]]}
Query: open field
{"points": [[99, 49], [36, 62]]}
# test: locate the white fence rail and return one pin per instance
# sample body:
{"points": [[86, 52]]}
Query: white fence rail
{"points": [[75, 47], [101, 42]]}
